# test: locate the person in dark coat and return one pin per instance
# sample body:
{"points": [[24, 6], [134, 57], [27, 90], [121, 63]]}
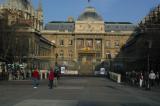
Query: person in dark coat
{"points": [[157, 78], [51, 78]]}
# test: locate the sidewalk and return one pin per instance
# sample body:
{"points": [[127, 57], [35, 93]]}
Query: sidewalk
{"points": [[153, 89]]}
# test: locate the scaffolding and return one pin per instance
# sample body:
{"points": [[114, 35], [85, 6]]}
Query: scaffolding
{"points": [[152, 20]]}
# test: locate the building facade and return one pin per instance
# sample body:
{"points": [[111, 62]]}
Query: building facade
{"points": [[20, 37], [142, 50], [86, 42], [22, 12]]}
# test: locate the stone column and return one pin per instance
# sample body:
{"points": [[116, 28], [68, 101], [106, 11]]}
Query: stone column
{"points": [[75, 49], [45, 75], [94, 43], [84, 43], [103, 51], [41, 76]]}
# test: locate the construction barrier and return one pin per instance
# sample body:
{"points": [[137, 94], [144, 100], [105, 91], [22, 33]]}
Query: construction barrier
{"points": [[114, 76]]}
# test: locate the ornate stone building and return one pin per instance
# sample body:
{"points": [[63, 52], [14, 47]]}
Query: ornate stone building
{"points": [[89, 40], [20, 37], [22, 12]]}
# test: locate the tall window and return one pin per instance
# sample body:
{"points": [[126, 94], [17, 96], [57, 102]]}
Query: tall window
{"points": [[98, 55], [108, 43], [116, 43], [89, 43], [70, 53], [61, 53], [70, 42], [98, 43], [61, 42], [116, 53], [108, 55], [101, 28], [80, 43]]}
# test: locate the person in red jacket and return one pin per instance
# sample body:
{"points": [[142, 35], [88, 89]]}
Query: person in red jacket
{"points": [[35, 77], [51, 78]]}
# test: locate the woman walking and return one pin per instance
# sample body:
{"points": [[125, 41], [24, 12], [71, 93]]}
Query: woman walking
{"points": [[141, 79]]}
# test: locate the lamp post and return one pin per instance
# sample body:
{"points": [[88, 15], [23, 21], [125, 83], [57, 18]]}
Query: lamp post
{"points": [[56, 58], [149, 45], [148, 63]]}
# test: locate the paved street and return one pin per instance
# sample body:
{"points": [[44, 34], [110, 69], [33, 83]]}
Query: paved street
{"points": [[76, 91]]}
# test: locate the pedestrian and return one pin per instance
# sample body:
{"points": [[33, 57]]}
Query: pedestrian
{"points": [[141, 79], [56, 71], [133, 77], [147, 81], [27, 75], [22, 74], [152, 78], [18, 74], [35, 77], [157, 78], [51, 78]]}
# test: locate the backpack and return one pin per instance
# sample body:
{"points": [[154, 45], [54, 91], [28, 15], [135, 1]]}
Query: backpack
{"points": [[56, 69]]}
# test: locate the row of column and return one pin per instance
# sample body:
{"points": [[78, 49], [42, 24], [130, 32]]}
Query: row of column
{"points": [[102, 43]]}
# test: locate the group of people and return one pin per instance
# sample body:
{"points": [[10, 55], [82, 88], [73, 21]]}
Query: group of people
{"points": [[143, 79], [18, 75], [53, 76]]}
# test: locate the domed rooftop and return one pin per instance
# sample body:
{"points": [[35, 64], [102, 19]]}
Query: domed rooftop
{"points": [[90, 14]]}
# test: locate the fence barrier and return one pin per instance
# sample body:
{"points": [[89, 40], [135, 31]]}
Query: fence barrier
{"points": [[114, 76]]}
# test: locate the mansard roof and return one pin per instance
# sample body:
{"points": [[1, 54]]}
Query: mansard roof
{"points": [[60, 26], [119, 26]]}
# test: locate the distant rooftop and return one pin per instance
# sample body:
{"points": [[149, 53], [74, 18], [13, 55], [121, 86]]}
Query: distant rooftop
{"points": [[118, 23], [59, 22], [60, 26], [89, 14]]}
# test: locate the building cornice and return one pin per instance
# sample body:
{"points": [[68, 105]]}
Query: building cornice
{"points": [[86, 33]]}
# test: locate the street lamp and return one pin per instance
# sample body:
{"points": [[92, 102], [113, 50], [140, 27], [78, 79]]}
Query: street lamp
{"points": [[56, 58], [149, 45]]}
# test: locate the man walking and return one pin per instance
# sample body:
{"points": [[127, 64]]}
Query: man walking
{"points": [[57, 71], [152, 77], [35, 77]]}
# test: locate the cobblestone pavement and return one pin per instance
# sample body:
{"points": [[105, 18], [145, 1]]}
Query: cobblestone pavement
{"points": [[76, 91]]}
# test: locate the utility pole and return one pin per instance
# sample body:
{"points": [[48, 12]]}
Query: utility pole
{"points": [[148, 64]]}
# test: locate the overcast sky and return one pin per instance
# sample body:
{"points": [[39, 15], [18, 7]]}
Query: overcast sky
{"points": [[111, 10]]}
